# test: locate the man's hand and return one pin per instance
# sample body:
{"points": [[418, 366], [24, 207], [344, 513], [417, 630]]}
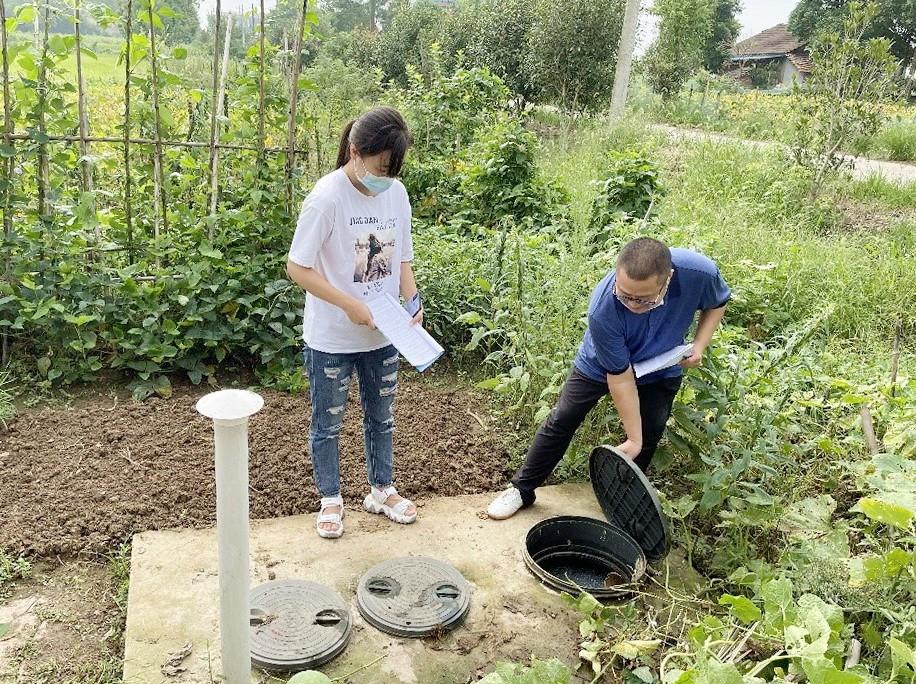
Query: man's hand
{"points": [[630, 449], [359, 314], [418, 319], [694, 360]]}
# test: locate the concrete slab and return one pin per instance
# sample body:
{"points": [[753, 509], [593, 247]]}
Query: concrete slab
{"points": [[174, 590]]}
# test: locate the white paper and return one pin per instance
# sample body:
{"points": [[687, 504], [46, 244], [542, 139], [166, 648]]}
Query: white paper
{"points": [[414, 343], [667, 359]]}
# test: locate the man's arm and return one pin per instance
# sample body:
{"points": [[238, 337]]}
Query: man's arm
{"points": [[706, 326], [622, 388]]}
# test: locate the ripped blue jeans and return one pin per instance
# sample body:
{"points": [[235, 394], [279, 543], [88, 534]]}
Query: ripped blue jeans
{"points": [[329, 382]]}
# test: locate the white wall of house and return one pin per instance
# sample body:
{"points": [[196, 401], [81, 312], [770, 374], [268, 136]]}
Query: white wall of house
{"points": [[788, 73]]}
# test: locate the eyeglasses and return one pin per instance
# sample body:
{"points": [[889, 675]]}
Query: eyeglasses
{"points": [[637, 301]]}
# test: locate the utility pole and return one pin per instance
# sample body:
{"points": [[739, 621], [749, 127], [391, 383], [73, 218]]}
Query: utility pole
{"points": [[625, 57]]}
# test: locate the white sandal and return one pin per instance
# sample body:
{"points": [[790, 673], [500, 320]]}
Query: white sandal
{"points": [[375, 503], [333, 518]]}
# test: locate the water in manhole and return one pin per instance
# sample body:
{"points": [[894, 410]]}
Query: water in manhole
{"points": [[296, 625], [413, 597]]}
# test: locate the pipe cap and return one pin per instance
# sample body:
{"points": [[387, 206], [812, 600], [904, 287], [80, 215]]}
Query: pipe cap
{"points": [[230, 404]]}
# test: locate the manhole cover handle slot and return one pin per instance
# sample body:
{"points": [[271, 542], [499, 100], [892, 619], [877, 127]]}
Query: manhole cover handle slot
{"points": [[257, 617], [379, 587], [448, 591], [327, 618]]}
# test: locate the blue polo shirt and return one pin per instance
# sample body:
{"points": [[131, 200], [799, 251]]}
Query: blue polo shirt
{"points": [[616, 337]]}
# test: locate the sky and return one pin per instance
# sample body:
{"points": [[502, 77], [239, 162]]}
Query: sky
{"points": [[756, 16]]}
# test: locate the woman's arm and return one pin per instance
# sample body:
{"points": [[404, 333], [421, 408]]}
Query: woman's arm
{"points": [[409, 288], [314, 283]]}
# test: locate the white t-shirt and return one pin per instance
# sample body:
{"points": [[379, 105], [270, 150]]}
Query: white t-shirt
{"points": [[357, 243]]}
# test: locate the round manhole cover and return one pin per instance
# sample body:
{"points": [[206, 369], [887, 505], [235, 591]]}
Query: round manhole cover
{"points": [[296, 625], [413, 597]]}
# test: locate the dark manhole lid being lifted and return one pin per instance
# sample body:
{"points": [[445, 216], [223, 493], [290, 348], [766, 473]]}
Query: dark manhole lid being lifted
{"points": [[413, 597], [297, 625], [629, 500]]}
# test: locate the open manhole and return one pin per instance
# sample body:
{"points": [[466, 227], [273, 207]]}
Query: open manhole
{"points": [[606, 559], [413, 597], [296, 625]]}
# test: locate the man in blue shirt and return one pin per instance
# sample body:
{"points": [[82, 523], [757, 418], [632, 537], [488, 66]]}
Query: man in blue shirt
{"points": [[640, 310]]}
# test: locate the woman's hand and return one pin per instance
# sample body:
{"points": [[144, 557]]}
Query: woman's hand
{"points": [[359, 314]]}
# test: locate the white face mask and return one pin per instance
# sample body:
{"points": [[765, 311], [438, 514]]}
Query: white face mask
{"points": [[372, 183]]}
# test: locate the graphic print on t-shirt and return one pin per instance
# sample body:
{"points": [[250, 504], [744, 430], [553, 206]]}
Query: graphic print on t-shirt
{"points": [[374, 251]]}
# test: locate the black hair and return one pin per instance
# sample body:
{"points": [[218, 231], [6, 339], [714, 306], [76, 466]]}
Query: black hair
{"points": [[644, 258], [381, 129]]}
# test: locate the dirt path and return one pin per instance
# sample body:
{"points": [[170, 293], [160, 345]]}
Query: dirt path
{"points": [[86, 478], [64, 623], [862, 168]]}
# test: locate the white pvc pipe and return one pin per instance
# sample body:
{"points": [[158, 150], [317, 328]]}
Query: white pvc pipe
{"points": [[229, 410]]}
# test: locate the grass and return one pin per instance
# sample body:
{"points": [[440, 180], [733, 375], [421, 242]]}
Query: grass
{"points": [[47, 654], [579, 158], [895, 141], [880, 192], [119, 565], [7, 394], [12, 569]]}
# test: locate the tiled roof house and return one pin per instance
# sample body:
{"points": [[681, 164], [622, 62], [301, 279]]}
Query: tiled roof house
{"points": [[778, 47]]}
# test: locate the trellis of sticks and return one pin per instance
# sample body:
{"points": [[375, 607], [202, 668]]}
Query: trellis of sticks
{"points": [[160, 199]]}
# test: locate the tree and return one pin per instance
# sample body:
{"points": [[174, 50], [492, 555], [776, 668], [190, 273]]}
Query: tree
{"points": [[346, 15], [414, 26], [61, 16], [179, 20], [850, 76], [498, 39], [282, 18], [572, 52], [894, 20], [725, 28], [684, 30]]}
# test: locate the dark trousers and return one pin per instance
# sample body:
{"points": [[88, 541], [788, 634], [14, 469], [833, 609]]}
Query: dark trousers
{"points": [[579, 395]]}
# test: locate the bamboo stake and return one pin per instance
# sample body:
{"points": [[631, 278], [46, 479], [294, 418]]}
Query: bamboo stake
{"points": [[260, 173], [43, 162], [36, 31], [214, 170], [8, 166], [85, 165], [895, 357], [213, 95], [158, 186], [293, 102], [191, 118], [868, 428], [261, 140], [128, 210]]}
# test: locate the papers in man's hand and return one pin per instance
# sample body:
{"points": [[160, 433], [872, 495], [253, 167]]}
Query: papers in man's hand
{"points": [[670, 358], [417, 345]]}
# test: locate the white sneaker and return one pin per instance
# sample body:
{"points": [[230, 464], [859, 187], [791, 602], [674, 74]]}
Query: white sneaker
{"points": [[506, 504]]}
